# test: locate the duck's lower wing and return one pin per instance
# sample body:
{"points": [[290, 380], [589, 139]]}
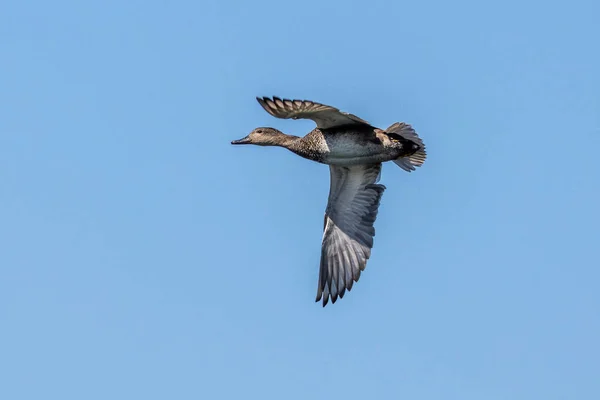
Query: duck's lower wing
{"points": [[354, 197]]}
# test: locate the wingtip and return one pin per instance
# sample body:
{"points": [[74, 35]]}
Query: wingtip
{"points": [[324, 299], [332, 297], [265, 103]]}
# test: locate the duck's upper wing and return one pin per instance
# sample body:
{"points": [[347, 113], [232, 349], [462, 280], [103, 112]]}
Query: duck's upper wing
{"points": [[352, 208], [324, 116]]}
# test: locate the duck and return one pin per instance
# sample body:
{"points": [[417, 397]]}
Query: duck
{"points": [[354, 150]]}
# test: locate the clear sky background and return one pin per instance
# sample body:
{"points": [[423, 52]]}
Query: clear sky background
{"points": [[144, 257]]}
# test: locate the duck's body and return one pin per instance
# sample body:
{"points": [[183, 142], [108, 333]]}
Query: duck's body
{"points": [[354, 151], [349, 145]]}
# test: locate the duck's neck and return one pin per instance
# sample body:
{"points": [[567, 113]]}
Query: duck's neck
{"points": [[299, 146], [287, 141]]}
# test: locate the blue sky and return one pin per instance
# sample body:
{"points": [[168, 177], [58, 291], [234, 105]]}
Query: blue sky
{"points": [[143, 256]]}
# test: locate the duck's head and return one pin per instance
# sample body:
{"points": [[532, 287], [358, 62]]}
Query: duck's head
{"points": [[263, 137]]}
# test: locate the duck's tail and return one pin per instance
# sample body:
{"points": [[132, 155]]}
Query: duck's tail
{"points": [[406, 135]]}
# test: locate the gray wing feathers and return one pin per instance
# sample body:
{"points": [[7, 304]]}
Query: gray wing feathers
{"points": [[323, 115], [352, 208]]}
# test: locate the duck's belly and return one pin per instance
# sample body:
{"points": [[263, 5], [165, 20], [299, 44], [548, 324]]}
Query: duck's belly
{"points": [[356, 160]]}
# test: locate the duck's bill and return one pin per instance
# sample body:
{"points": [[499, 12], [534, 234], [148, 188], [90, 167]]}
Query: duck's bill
{"points": [[245, 140]]}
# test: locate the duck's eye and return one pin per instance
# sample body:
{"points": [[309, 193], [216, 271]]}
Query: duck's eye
{"points": [[259, 131]]}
